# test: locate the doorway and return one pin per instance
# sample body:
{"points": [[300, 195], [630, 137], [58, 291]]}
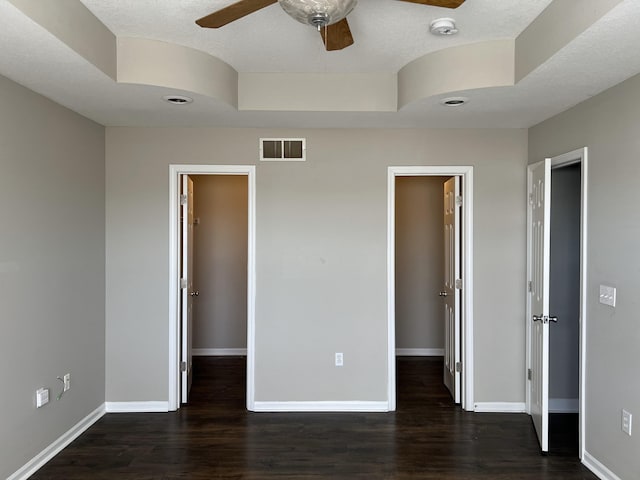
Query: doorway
{"points": [[218, 272], [551, 385], [564, 303], [220, 265], [176, 174], [465, 345], [419, 266], [420, 269]]}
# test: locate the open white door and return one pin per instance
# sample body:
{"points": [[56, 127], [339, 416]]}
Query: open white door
{"points": [[539, 191], [452, 285], [186, 285]]}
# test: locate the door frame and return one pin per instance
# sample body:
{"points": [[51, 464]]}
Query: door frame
{"points": [[175, 171], [466, 313], [579, 155]]}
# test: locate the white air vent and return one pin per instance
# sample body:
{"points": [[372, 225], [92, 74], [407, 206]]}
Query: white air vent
{"points": [[283, 149]]}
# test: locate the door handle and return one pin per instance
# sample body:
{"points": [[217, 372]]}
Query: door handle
{"points": [[443, 294], [195, 293], [538, 318], [544, 319], [553, 319]]}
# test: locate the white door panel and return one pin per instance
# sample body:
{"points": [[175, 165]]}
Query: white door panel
{"points": [[450, 293], [539, 191], [188, 292]]}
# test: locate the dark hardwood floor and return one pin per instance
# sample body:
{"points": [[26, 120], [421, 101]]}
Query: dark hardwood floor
{"points": [[215, 438]]}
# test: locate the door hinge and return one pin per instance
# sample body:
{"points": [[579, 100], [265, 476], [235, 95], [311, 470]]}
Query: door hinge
{"points": [[458, 367], [183, 283], [458, 200], [531, 199], [529, 374], [459, 283], [183, 199], [183, 366], [530, 286]]}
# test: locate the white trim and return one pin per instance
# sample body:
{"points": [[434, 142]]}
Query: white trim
{"points": [[219, 352], [582, 406], [419, 352], [500, 407], [174, 315], [58, 445], [598, 469], [137, 407], [466, 172], [340, 406], [564, 405]]}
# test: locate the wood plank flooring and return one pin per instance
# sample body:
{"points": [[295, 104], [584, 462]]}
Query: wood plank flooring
{"points": [[215, 438]]}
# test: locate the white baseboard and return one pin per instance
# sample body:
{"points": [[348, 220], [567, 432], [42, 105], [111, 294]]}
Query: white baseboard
{"points": [[321, 406], [563, 405], [56, 447], [136, 407], [499, 407], [598, 468], [419, 352], [219, 352]]}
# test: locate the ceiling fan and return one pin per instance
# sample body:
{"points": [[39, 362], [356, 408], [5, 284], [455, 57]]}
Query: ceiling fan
{"points": [[329, 16]]}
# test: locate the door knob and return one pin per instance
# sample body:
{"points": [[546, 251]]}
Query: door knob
{"points": [[443, 294], [544, 319], [553, 319], [195, 294], [538, 318]]}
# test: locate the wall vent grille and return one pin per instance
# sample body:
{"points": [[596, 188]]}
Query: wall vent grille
{"points": [[283, 149]]}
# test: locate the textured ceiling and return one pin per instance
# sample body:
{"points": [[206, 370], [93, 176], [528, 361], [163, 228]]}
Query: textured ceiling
{"points": [[389, 34]]}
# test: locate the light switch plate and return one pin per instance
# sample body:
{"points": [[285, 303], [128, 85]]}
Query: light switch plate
{"points": [[626, 422], [42, 397], [608, 295]]}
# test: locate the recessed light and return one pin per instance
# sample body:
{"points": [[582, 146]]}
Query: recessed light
{"points": [[177, 99], [443, 26], [454, 101]]}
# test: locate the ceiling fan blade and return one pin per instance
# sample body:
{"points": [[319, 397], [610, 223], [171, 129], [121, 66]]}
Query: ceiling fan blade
{"points": [[438, 3], [337, 36], [233, 12]]}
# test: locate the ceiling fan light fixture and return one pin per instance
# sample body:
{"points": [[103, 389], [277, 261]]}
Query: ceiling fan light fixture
{"points": [[443, 27], [318, 13]]}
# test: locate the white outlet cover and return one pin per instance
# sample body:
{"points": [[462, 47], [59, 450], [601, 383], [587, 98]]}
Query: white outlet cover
{"points": [[339, 360]]}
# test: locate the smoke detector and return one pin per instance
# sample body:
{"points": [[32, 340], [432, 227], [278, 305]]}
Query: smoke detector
{"points": [[443, 26]]}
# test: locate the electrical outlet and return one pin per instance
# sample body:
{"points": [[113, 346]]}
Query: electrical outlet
{"points": [[42, 397], [339, 360], [626, 422], [67, 382]]}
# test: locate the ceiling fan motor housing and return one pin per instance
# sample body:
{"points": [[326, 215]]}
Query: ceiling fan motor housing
{"points": [[318, 13]]}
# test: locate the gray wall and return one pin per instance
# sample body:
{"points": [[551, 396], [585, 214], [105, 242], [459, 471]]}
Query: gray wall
{"points": [[51, 270], [608, 125], [419, 262], [321, 256], [564, 283], [220, 261]]}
